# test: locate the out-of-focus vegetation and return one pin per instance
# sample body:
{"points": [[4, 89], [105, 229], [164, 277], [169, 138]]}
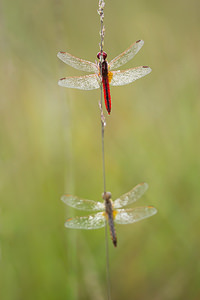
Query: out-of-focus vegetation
{"points": [[51, 144]]}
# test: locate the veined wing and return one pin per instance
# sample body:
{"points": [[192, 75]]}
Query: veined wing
{"points": [[82, 204], [129, 75], [77, 63], [94, 221], [131, 196], [88, 82], [127, 216], [127, 55]]}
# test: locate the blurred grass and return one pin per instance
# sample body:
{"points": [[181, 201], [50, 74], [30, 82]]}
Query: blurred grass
{"points": [[50, 144]]}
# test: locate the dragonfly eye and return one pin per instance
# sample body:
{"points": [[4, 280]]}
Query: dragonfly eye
{"points": [[106, 195], [98, 55], [103, 53]]}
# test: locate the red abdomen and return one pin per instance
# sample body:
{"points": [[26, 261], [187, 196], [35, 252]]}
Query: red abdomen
{"points": [[106, 90]]}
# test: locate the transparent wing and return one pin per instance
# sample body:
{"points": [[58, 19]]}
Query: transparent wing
{"points": [[131, 196], [127, 216], [88, 222], [129, 75], [127, 55], [82, 204], [88, 82], [77, 63]]}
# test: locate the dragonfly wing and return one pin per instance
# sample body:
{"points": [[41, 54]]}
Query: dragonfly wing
{"points": [[77, 63], [131, 196], [127, 55], [94, 221], [129, 75], [88, 82], [82, 204], [127, 216]]}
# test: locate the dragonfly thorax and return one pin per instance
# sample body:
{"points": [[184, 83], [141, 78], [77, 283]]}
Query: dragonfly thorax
{"points": [[108, 203], [109, 208]]}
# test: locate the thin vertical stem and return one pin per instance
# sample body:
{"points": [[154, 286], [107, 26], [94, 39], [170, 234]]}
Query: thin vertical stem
{"points": [[103, 151], [101, 13], [101, 102], [107, 263]]}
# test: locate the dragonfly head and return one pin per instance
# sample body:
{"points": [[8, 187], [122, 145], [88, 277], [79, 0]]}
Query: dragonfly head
{"points": [[106, 195], [104, 54]]}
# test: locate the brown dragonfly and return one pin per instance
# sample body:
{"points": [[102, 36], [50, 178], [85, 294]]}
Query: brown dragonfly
{"points": [[109, 210]]}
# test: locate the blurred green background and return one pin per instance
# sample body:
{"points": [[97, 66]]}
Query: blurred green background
{"points": [[50, 143]]}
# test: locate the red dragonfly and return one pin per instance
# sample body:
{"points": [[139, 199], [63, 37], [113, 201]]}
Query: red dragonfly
{"points": [[106, 77], [111, 211]]}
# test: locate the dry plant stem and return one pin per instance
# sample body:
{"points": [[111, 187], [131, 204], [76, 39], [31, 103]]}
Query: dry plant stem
{"points": [[103, 124], [101, 13], [107, 263]]}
